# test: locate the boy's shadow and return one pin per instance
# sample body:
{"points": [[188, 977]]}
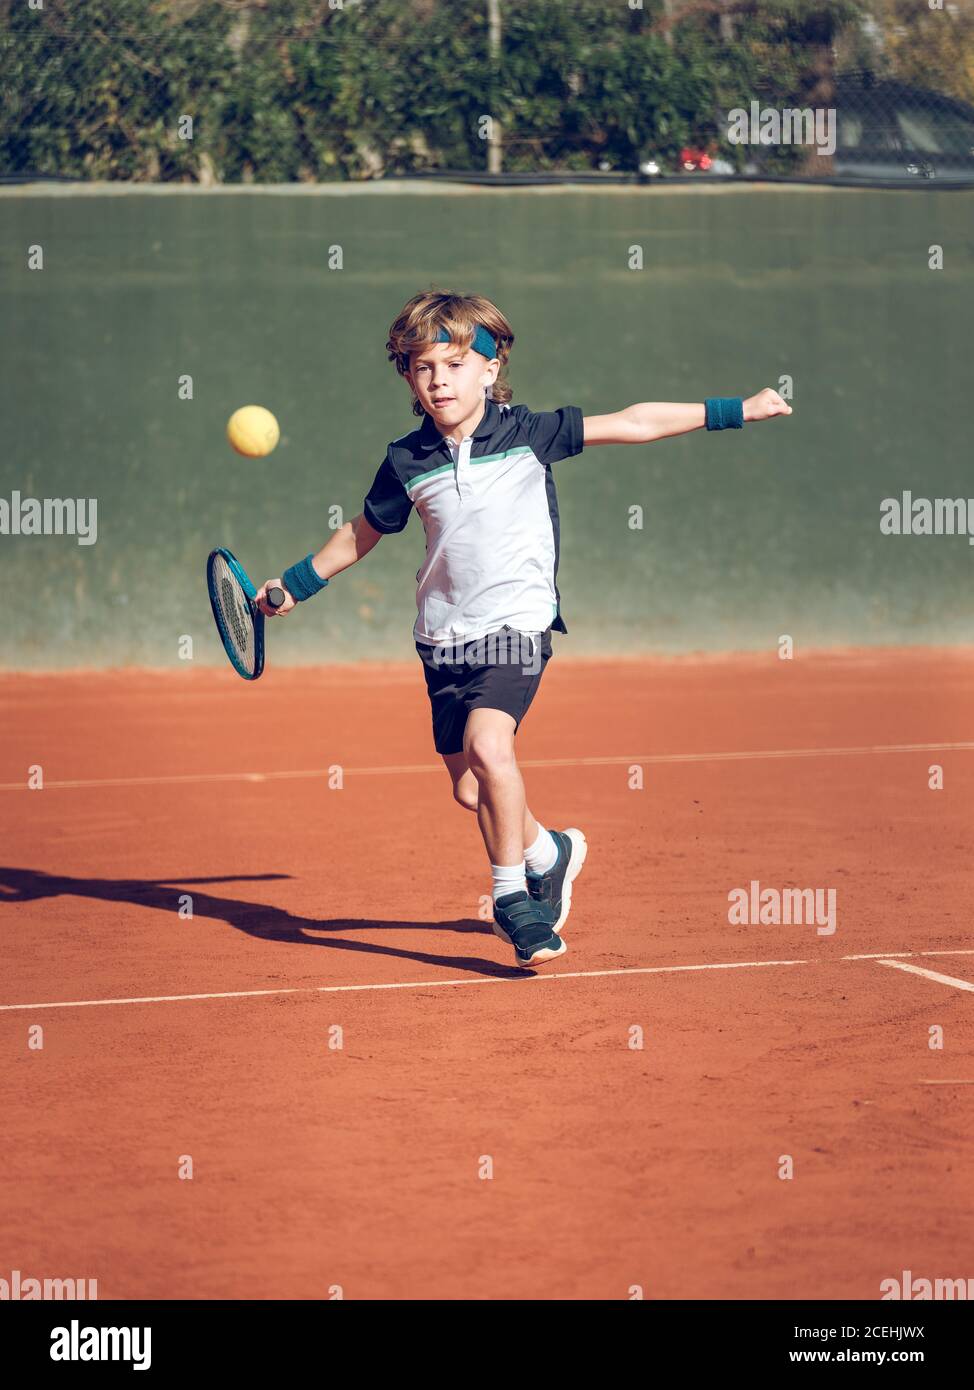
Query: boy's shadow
{"points": [[266, 923]]}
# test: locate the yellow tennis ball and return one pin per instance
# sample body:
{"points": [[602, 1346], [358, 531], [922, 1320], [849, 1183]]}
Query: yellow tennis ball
{"points": [[253, 431]]}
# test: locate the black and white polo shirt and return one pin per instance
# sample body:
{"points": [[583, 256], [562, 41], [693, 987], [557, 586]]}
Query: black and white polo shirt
{"points": [[490, 514]]}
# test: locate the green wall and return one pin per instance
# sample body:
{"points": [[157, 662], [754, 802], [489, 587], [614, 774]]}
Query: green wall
{"points": [[746, 536]]}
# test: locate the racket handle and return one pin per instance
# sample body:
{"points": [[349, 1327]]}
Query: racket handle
{"points": [[274, 596]]}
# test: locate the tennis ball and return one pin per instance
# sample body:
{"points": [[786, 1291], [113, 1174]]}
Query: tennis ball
{"points": [[253, 431]]}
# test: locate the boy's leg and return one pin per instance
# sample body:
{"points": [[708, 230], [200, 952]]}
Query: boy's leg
{"points": [[496, 781], [488, 746], [466, 791], [476, 709]]}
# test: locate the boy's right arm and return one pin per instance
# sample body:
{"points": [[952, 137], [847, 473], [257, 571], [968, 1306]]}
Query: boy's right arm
{"points": [[350, 543]]}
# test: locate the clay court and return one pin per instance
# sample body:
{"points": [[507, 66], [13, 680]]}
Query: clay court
{"points": [[317, 1168]]}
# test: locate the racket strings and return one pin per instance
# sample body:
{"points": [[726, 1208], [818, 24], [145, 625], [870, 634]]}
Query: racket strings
{"points": [[235, 611]]}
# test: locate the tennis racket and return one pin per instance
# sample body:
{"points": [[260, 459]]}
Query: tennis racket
{"points": [[239, 621]]}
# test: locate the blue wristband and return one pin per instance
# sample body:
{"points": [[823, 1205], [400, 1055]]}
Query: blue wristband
{"points": [[724, 412], [302, 580]]}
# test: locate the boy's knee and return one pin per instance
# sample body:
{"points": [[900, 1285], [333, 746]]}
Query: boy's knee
{"points": [[466, 796], [490, 751]]}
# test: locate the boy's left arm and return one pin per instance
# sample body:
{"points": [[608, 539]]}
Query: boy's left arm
{"points": [[641, 424]]}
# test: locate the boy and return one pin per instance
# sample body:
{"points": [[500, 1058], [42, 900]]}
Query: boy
{"points": [[478, 471]]}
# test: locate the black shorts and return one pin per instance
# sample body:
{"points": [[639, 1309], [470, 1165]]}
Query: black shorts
{"points": [[500, 671]]}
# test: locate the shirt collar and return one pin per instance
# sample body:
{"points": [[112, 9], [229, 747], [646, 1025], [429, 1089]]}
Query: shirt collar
{"points": [[430, 437]]}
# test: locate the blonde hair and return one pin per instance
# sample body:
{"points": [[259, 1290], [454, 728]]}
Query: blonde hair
{"points": [[419, 324]]}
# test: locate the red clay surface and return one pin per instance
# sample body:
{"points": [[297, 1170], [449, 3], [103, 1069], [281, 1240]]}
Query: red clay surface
{"points": [[612, 1167]]}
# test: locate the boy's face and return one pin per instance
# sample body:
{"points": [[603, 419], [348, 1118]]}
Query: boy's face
{"points": [[449, 382]]}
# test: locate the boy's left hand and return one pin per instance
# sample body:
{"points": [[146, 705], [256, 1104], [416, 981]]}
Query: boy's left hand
{"points": [[764, 405]]}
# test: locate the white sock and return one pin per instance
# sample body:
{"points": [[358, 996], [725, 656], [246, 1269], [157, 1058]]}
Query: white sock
{"points": [[508, 878], [540, 857]]}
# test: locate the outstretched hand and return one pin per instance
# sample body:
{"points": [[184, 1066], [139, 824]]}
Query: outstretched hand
{"points": [[765, 405]]}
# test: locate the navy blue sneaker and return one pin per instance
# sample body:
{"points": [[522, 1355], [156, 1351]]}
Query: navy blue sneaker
{"points": [[554, 889], [527, 926]]}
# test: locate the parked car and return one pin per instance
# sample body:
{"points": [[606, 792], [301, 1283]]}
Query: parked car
{"points": [[888, 130]]}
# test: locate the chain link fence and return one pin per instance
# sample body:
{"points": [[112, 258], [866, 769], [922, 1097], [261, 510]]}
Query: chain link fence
{"points": [[278, 91]]}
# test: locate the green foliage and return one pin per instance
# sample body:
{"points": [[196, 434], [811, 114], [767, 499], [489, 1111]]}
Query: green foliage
{"points": [[324, 90], [97, 91], [586, 83]]}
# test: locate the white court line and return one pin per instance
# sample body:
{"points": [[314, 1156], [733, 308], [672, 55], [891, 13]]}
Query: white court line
{"points": [[965, 951], [880, 955], [929, 974], [947, 1083], [883, 959], [890, 955], [648, 758], [410, 984]]}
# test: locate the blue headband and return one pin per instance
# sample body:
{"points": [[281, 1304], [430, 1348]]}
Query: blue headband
{"points": [[482, 341]]}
